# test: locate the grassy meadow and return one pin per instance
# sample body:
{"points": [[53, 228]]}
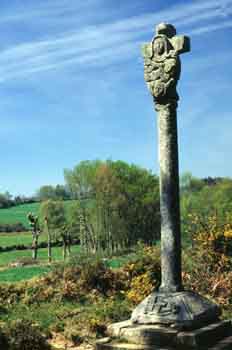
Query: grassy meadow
{"points": [[17, 238], [14, 274], [7, 257], [19, 213], [23, 273]]}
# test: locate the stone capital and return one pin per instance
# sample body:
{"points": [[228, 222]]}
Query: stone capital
{"points": [[162, 65]]}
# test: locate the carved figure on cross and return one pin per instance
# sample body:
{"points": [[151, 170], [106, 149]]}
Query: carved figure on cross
{"points": [[162, 64]]}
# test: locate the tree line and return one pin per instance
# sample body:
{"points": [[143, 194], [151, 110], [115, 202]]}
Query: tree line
{"points": [[204, 198], [114, 205]]}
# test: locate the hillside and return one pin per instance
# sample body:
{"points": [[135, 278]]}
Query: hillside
{"points": [[19, 213]]}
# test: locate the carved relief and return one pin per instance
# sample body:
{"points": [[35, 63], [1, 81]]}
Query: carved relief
{"points": [[161, 305], [162, 64]]}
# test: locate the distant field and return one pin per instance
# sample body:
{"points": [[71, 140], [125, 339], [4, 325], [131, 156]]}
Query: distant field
{"points": [[22, 273], [25, 238], [19, 213], [7, 257]]}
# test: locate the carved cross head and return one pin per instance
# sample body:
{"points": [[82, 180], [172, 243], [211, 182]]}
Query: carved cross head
{"points": [[162, 64]]}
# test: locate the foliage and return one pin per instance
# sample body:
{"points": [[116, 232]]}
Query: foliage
{"points": [[205, 198], [144, 273], [7, 200], [72, 219], [18, 214], [82, 297], [141, 287], [22, 273], [3, 341], [118, 204], [81, 179], [211, 249], [34, 224], [23, 334], [16, 227], [54, 212], [13, 256], [58, 192]]}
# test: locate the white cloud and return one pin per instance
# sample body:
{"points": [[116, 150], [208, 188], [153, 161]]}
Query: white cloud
{"points": [[106, 43], [211, 28]]}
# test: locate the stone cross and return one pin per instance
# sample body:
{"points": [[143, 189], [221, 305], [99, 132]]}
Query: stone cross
{"points": [[161, 72], [171, 305]]}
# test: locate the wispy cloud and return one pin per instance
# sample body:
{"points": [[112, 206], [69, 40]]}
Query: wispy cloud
{"points": [[211, 28], [46, 10], [103, 44]]}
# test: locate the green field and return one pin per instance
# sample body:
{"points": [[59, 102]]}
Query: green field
{"points": [[16, 274], [7, 257], [22, 273], [19, 213], [12, 274], [10, 239]]}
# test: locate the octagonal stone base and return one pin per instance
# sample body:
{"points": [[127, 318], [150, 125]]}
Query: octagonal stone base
{"points": [[180, 310], [128, 336]]}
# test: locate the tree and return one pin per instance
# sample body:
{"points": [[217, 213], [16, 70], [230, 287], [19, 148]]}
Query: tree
{"points": [[61, 192], [80, 180], [140, 209], [46, 192], [190, 183], [52, 217], [34, 223], [73, 219], [119, 204], [6, 200]]}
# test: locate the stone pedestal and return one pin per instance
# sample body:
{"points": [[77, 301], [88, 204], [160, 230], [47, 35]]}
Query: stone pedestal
{"points": [[180, 310], [125, 335], [170, 318]]}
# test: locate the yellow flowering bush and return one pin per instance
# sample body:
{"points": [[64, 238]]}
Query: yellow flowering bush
{"points": [[141, 286], [208, 264]]}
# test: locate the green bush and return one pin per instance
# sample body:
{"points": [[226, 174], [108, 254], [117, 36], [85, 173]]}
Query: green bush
{"points": [[23, 335], [3, 341], [72, 333]]}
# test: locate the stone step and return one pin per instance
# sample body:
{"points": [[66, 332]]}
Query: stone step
{"points": [[224, 344], [104, 344], [126, 336], [205, 336]]}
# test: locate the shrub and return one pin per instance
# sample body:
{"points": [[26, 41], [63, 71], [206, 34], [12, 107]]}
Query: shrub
{"points": [[23, 335], [4, 345], [16, 227], [72, 333], [141, 286]]}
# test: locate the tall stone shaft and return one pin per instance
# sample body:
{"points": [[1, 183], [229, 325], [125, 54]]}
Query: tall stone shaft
{"points": [[162, 68], [171, 305], [169, 199]]}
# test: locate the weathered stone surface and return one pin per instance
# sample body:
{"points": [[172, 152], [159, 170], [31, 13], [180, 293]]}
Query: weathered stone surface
{"points": [[169, 199], [143, 334], [126, 346], [224, 344], [125, 335], [162, 69], [205, 336], [171, 318], [115, 329], [180, 310]]}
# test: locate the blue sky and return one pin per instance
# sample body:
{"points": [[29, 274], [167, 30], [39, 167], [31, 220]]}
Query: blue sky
{"points": [[72, 88]]}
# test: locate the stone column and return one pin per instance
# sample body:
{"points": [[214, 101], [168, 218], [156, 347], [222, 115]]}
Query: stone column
{"points": [[171, 305], [169, 198], [161, 72]]}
